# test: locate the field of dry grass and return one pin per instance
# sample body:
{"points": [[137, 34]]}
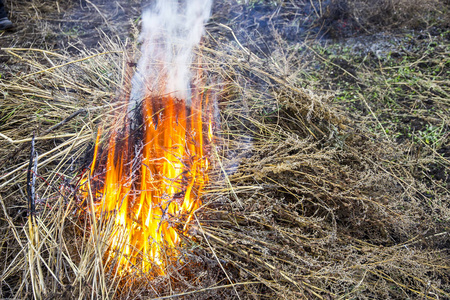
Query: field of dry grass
{"points": [[330, 167]]}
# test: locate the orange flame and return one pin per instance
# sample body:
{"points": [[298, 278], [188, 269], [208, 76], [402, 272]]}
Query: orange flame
{"points": [[152, 180]]}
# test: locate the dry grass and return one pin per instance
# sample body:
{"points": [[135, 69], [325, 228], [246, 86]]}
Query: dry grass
{"points": [[324, 210], [61, 101], [302, 203]]}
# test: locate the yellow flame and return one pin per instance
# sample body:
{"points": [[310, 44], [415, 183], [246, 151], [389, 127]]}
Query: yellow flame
{"points": [[151, 204]]}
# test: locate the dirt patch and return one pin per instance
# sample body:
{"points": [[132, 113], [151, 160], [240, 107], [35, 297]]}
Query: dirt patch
{"points": [[346, 18]]}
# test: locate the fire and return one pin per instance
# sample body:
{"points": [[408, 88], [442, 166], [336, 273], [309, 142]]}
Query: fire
{"points": [[149, 180]]}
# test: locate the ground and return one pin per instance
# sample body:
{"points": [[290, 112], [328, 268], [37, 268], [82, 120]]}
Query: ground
{"points": [[331, 177]]}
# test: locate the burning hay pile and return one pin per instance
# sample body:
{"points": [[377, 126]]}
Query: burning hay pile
{"points": [[276, 194]]}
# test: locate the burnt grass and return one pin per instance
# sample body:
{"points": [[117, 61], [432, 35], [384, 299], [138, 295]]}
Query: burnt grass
{"points": [[334, 140]]}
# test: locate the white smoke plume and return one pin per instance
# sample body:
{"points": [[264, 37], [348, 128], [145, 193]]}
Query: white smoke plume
{"points": [[170, 31]]}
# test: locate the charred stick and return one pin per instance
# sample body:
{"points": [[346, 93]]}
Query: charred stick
{"points": [[22, 147], [31, 180], [73, 115]]}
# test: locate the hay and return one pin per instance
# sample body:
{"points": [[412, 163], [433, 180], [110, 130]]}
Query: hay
{"points": [[303, 203]]}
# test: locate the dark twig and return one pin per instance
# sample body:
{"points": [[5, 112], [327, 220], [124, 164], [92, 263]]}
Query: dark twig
{"points": [[73, 115], [22, 147], [31, 180]]}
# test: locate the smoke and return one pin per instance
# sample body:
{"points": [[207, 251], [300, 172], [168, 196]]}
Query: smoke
{"points": [[170, 31]]}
